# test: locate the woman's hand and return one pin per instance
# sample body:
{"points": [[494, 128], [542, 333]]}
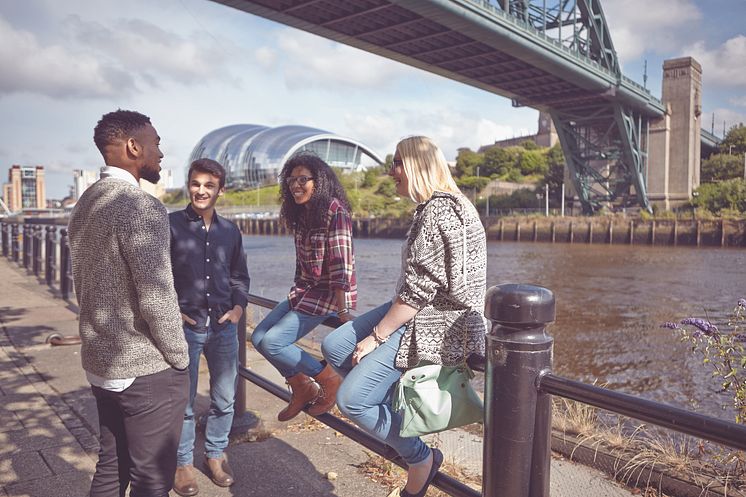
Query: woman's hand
{"points": [[363, 348], [344, 317]]}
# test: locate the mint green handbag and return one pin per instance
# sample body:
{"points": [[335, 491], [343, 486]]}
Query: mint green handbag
{"points": [[433, 398]]}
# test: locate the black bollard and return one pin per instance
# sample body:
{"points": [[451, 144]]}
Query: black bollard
{"points": [[517, 424]]}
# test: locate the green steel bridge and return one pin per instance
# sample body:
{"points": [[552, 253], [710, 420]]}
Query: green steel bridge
{"points": [[552, 55]]}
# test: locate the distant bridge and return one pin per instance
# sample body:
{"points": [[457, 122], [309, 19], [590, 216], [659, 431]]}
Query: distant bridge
{"points": [[553, 55]]}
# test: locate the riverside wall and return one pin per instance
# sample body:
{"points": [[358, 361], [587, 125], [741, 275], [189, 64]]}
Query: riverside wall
{"points": [[589, 230]]}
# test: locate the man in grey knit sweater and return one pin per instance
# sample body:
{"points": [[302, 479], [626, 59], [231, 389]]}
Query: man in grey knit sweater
{"points": [[133, 347]]}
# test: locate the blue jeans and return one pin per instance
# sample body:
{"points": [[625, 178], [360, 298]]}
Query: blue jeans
{"points": [[366, 392], [276, 335], [221, 351]]}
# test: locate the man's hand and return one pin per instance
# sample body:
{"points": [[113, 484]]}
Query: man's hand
{"points": [[233, 315], [187, 319]]}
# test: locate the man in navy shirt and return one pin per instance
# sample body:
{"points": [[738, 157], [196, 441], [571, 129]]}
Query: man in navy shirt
{"points": [[212, 283]]}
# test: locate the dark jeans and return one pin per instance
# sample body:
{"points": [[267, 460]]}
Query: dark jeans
{"points": [[140, 430]]}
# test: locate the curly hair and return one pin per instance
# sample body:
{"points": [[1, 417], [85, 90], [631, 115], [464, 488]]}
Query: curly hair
{"points": [[326, 186], [117, 125]]}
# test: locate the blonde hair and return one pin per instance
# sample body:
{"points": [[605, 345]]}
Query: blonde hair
{"points": [[426, 168]]}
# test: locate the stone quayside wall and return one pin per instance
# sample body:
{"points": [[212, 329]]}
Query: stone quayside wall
{"points": [[699, 233]]}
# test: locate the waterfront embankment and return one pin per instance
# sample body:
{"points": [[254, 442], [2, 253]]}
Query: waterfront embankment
{"points": [[589, 230]]}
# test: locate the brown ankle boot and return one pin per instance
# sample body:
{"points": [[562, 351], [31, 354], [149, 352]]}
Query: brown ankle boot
{"points": [[304, 391], [329, 382], [185, 481]]}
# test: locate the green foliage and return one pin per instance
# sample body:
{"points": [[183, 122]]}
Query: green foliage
{"points": [[472, 182], [370, 176], [519, 199], [721, 167], [467, 162], [555, 174], [734, 141], [529, 145], [533, 162], [715, 197], [722, 351], [386, 187]]}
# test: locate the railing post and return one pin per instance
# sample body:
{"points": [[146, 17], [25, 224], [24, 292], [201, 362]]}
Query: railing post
{"points": [[517, 425], [49, 254], [6, 247], [14, 241], [36, 249], [27, 245], [65, 269]]}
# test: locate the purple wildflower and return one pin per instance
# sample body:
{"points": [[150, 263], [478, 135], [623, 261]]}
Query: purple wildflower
{"points": [[705, 326], [740, 337], [697, 334], [671, 325]]}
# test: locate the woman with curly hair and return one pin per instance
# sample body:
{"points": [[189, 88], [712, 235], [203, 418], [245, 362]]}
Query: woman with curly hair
{"points": [[315, 208], [435, 315]]}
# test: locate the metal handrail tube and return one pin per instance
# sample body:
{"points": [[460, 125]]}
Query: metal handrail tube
{"points": [[444, 482], [698, 425]]}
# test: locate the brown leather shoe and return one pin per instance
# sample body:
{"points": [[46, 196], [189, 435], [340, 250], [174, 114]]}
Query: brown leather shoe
{"points": [[220, 472], [329, 382], [304, 391], [185, 483]]}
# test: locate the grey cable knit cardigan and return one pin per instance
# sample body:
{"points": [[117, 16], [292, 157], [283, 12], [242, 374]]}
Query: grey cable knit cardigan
{"points": [[445, 277], [129, 314]]}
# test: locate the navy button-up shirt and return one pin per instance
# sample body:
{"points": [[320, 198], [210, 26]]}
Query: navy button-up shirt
{"points": [[209, 267]]}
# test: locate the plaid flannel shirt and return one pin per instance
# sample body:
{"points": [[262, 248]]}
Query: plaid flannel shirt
{"points": [[324, 262]]}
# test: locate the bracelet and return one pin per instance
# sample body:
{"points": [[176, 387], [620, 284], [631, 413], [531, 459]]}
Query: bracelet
{"points": [[378, 340], [344, 310]]}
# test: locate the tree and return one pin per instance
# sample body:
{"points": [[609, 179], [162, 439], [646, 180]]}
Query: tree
{"points": [[467, 162], [532, 162], [721, 167], [500, 162], [370, 176], [555, 174], [734, 141], [715, 197]]}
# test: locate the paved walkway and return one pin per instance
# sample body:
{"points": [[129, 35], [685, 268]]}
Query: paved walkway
{"points": [[48, 430]]}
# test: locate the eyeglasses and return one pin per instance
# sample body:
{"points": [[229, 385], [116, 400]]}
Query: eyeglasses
{"points": [[302, 180], [397, 163]]}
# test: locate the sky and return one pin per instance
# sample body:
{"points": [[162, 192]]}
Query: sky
{"points": [[195, 65]]}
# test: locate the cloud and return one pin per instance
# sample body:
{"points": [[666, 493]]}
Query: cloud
{"points": [[53, 70], [310, 61], [450, 129], [640, 25], [722, 65], [90, 59]]}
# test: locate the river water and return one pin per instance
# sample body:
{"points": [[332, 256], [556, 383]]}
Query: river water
{"points": [[611, 301]]}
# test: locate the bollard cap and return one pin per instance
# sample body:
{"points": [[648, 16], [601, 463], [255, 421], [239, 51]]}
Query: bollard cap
{"points": [[519, 304]]}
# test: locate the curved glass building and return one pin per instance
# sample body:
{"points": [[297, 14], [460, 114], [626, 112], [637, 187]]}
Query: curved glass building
{"points": [[253, 155]]}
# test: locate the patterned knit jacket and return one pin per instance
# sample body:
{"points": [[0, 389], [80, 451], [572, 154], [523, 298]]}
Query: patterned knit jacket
{"points": [[129, 315], [445, 278]]}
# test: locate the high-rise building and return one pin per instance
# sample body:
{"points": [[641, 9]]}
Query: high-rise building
{"points": [[25, 189]]}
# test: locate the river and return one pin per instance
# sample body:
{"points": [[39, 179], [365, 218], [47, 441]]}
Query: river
{"points": [[611, 301]]}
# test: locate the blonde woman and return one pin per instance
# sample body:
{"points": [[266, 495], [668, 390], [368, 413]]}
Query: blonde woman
{"points": [[436, 314]]}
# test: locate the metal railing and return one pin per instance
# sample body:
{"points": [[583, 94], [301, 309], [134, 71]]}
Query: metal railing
{"points": [[517, 370]]}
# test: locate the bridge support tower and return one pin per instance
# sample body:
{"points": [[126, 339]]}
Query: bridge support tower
{"points": [[674, 146]]}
